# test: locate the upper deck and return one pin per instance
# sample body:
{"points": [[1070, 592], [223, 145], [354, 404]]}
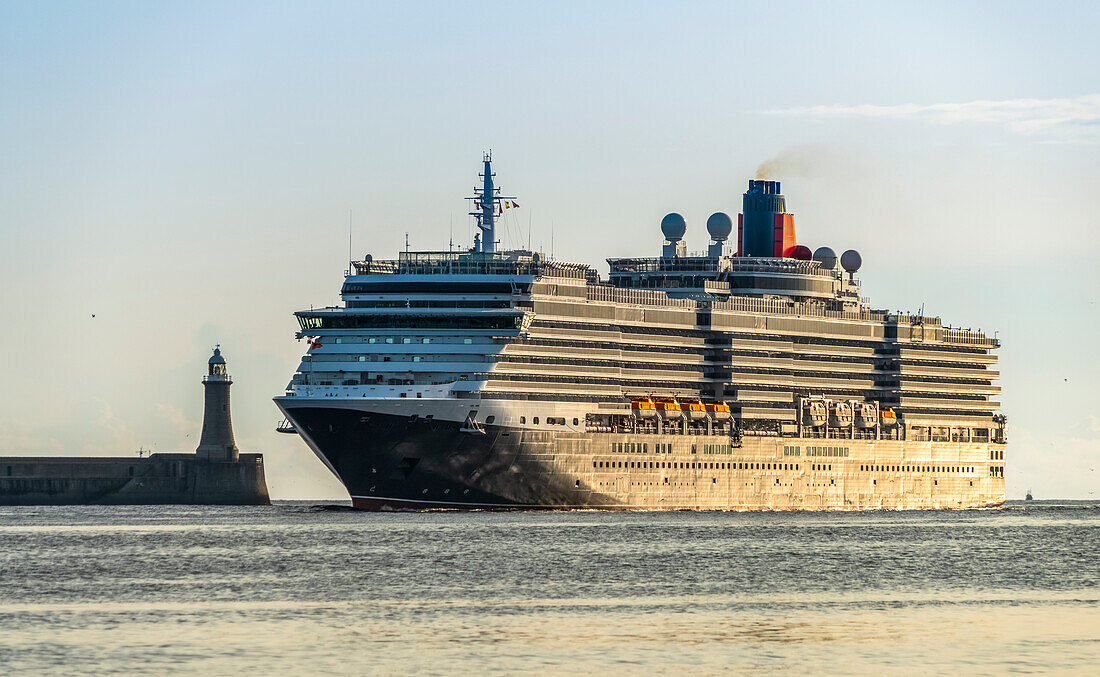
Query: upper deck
{"points": [[518, 263]]}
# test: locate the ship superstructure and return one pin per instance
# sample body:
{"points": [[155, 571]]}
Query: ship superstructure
{"points": [[756, 378]]}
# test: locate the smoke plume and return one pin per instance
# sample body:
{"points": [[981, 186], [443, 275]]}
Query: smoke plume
{"points": [[800, 161]]}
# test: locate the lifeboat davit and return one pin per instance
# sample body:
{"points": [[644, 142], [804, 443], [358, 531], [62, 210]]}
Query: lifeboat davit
{"points": [[694, 408], [642, 408], [720, 411], [817, 413], [669, 408]]}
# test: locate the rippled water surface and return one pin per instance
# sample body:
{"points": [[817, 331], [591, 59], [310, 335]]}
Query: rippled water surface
{"points": [[299, 589]]}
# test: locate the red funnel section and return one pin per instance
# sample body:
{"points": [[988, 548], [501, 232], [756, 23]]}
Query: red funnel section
{"points": [[785, 241]]}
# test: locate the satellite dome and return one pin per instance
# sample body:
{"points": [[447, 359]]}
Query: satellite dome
{"points": [[851, 260], [800, 253], [719, 225], [674, 227], [826, 257], [217, 358]]}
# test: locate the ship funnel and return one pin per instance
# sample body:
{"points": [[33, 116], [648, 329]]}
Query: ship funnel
{"points": [[764, 228]]}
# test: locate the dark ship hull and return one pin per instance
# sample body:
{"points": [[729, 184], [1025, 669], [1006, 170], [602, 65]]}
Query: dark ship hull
{"points": [[409, 462]]}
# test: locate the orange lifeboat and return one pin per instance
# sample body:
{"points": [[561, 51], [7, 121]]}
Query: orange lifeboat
{"points": [[642, 407], [694, 408], [668, 408], [888, 417], [720, 411]]}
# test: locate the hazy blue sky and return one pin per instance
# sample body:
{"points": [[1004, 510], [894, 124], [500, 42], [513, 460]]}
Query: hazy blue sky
{"points": [[185, 172]]}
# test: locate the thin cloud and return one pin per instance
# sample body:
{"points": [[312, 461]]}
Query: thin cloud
{"points": [[1072, 119]]}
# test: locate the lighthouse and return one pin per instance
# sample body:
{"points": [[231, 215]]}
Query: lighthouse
{"points": [[217, 443]]}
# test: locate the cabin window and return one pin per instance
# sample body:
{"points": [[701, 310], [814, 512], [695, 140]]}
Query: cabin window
{"points": [[467, 341], [575, 422], [536, 420], [522, 419], [490, 419]]}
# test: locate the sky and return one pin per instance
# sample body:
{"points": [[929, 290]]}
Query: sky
{"points": [[188, 173]]}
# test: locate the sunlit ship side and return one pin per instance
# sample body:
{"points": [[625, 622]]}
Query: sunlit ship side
{"points": [[746, 380]]}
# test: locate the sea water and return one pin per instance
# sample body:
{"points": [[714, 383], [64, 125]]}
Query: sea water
{"points": [[304, 589]]}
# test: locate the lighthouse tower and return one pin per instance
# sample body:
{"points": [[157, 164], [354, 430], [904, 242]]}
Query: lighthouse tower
{"points": [[217, 426]]}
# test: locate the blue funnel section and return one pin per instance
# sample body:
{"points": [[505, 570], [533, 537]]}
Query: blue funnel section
{"points": [[761, 203]]}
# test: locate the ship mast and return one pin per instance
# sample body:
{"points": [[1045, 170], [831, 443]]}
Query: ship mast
{"points": [[486, 199]]}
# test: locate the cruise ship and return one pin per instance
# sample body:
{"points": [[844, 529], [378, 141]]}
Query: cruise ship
{"points": [[751, 376]]}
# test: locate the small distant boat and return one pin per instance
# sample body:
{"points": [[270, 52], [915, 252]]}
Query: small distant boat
{"points": [[1028, 497]]}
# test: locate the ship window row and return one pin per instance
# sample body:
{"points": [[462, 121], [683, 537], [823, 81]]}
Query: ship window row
{"points": [[577, 380], [550, 420], [661, 282], [997, 454], [350, 321], [694, 465], [400, 339], [917, 346], [997, 471], [946, 411], [435, 287], [606, 345], [635, 447], [409, 303], [623, 329], [917, 468], [613, 364], [322, 362], [721, 346], [837, 452], [727, 355], [715, 449], [937, 433]]}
